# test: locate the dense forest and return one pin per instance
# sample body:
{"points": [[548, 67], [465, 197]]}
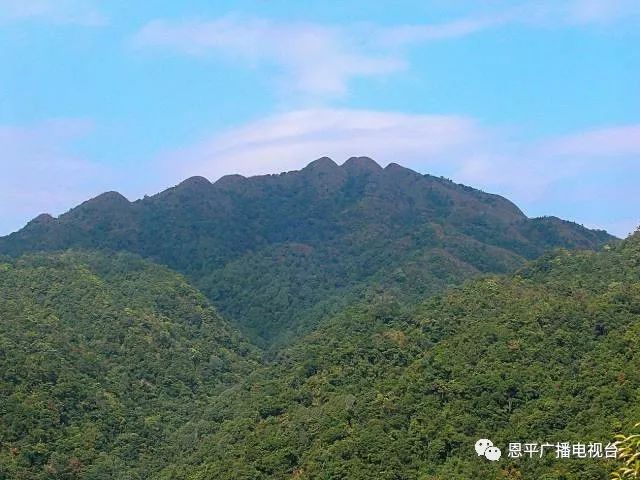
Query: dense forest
{"points": [[548, 354], [374, 323], [101, 360], [278, 253]]}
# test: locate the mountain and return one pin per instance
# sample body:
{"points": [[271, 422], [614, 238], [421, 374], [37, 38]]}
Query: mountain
{"points": [[102, 360], [548, 354], [278, 253], [393, 343]]}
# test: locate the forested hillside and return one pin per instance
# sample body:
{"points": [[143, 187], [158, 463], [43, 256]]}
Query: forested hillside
{"points": [[548, 354], [384, 360], [278, 253], [102, 360]]}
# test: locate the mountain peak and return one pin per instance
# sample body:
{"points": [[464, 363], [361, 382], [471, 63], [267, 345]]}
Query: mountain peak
{"points": [[108, 204], [42, 219], [362, 164], [321, 164], [194, 182], [230, 181], [344, 228], [109, 198], [395, 169]]}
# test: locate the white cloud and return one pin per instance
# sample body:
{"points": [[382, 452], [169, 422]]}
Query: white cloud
{"points": [[540, 176], [321, 60], [456, 144], [616, 141], [40, 172], [289, 140], [587, 174], [78, 12], [313, 58], [408, 34]]}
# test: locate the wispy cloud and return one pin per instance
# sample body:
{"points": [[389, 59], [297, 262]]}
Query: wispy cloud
{"points": [[402, 35], [313, 58], [286, 141], [584, 176], [456, 146], [78, 12], [321, 60], [616, 141], [536, 175]]}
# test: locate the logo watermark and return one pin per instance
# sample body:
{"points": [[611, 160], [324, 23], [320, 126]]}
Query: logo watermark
{"points": [[561, 450], [485, 447]]}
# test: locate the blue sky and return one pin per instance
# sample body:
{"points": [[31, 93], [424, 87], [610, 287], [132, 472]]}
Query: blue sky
{"points": [[535, 100]]}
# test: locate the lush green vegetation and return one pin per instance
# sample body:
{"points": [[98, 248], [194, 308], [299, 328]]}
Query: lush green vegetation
{"points": [[384, 361], [278, 253], [549, 354], [101, 360], [116, 368]]}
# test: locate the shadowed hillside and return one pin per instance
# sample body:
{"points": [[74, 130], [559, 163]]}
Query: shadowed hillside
{"points": [[277, 253]]}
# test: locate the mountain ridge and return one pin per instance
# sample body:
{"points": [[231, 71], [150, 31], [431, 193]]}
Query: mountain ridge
{"points": [[359, 221], [324, 164]]}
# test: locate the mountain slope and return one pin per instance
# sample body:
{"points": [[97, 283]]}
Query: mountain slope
{"points": [[279, 252], [102, 359], [549, 354]]}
